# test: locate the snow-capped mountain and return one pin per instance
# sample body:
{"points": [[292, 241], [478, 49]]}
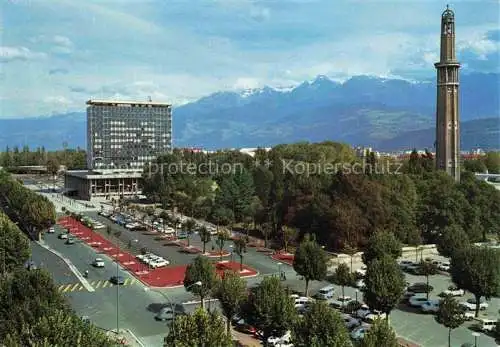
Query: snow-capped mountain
{"points": [[380, 112]]}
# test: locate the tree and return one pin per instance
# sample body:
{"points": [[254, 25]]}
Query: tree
{"points": [[492, 162], [205, 237], [310, 261], [189, 226], [231, 292], [200, 270], [266, 231], [380, 244], [240, 248], [201, 329], [222, 237], [53, 169], [15, 246], [71, 331], [288, 234], [380, 334], [343, 276], [269, 308], [450, 315], [321, 326], [384, 284], [452, 239], [428, 269], [477, 269]]}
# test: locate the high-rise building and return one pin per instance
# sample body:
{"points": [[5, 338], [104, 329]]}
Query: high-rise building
{"points": [[447, 112], [126, 135]]}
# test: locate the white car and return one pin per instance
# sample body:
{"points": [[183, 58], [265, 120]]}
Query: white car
{"points": [[453, 291], [444, 266], [63, 236], [159, 263], [98, 262], [417, 300], [51, 230], [340, 302], [280, 341], [373, 315], [431, 306], [471, 304]]}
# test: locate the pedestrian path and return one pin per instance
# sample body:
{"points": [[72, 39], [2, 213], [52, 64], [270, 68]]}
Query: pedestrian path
{"points": [[100, 284]]}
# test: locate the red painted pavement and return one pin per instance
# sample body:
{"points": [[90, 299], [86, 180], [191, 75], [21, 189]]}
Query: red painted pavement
{"points": [[169, 276], [284, 258]]}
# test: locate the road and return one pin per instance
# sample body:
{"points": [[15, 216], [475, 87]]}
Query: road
{"points": [[136, 305]]}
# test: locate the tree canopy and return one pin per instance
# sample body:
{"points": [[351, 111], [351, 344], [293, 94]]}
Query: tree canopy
{"points": [[201, 328], [310, 261], [384, 284], [380, 334], [321, 326], [200, 277], [269, 308], [231, 292], [477, 269], [380, 244]]}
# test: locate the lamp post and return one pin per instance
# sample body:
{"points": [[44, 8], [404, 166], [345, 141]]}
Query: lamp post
{"points": [[279, 269], [356, 291], [231, 250], [476, 335], [197, 283]]}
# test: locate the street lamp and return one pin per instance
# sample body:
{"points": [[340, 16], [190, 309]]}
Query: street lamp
{"points": [[231, 248], [197, 283], [279, 269], [356, 291], [476, 335]]}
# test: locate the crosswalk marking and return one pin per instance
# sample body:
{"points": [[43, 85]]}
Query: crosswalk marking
{"points": [[97, 284]]}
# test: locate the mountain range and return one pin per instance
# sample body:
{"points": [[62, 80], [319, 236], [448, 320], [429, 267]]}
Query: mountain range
{"points": [[387, 114]]}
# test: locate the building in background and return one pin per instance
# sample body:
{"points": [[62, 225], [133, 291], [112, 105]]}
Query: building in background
{"points": [[447, 113], [127, 135], [122, 137]]}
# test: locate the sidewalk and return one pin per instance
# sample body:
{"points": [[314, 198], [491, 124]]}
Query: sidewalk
{"points": [[125, 338]]}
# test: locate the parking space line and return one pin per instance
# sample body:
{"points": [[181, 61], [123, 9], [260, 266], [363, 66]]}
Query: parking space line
{"points": [[73, 288], [66, 288], [105, 284], [98, 284]]}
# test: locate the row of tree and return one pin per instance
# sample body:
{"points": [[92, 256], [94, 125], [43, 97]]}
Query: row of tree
{"points": [[267, 307], [289, 187], [73, 159], [35, 212], [32, 311]]}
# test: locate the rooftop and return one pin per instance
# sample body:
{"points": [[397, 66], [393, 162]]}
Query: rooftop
{"points": [[126, 103]]}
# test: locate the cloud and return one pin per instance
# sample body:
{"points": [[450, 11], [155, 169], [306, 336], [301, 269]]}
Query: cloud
{"points": [[178, 51], [9, 54]]}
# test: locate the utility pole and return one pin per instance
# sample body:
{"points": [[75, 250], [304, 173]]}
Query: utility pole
{"points": [[117, 289]]}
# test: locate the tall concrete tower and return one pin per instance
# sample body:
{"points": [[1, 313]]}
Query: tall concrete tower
{"points": [[447, 113]]}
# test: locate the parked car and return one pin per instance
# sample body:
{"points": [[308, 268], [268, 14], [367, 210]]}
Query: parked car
{"points": [[350, 322], [359, 333], [340, 302], [70, 241], [403, 264], [118, 280], [373, 315], [453, 291], [326, 293], [363, 311], [280, 341], [487, 325], [470, 304], [51, 230], [98, 262], [430, 306], [417, 300], [420, 287], [159, 263]]}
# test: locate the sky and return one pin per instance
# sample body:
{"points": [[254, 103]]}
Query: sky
{"points": [[57, 54]]}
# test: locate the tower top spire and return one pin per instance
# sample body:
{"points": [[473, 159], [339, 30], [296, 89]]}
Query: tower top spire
{"points": [[448, 13]]}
